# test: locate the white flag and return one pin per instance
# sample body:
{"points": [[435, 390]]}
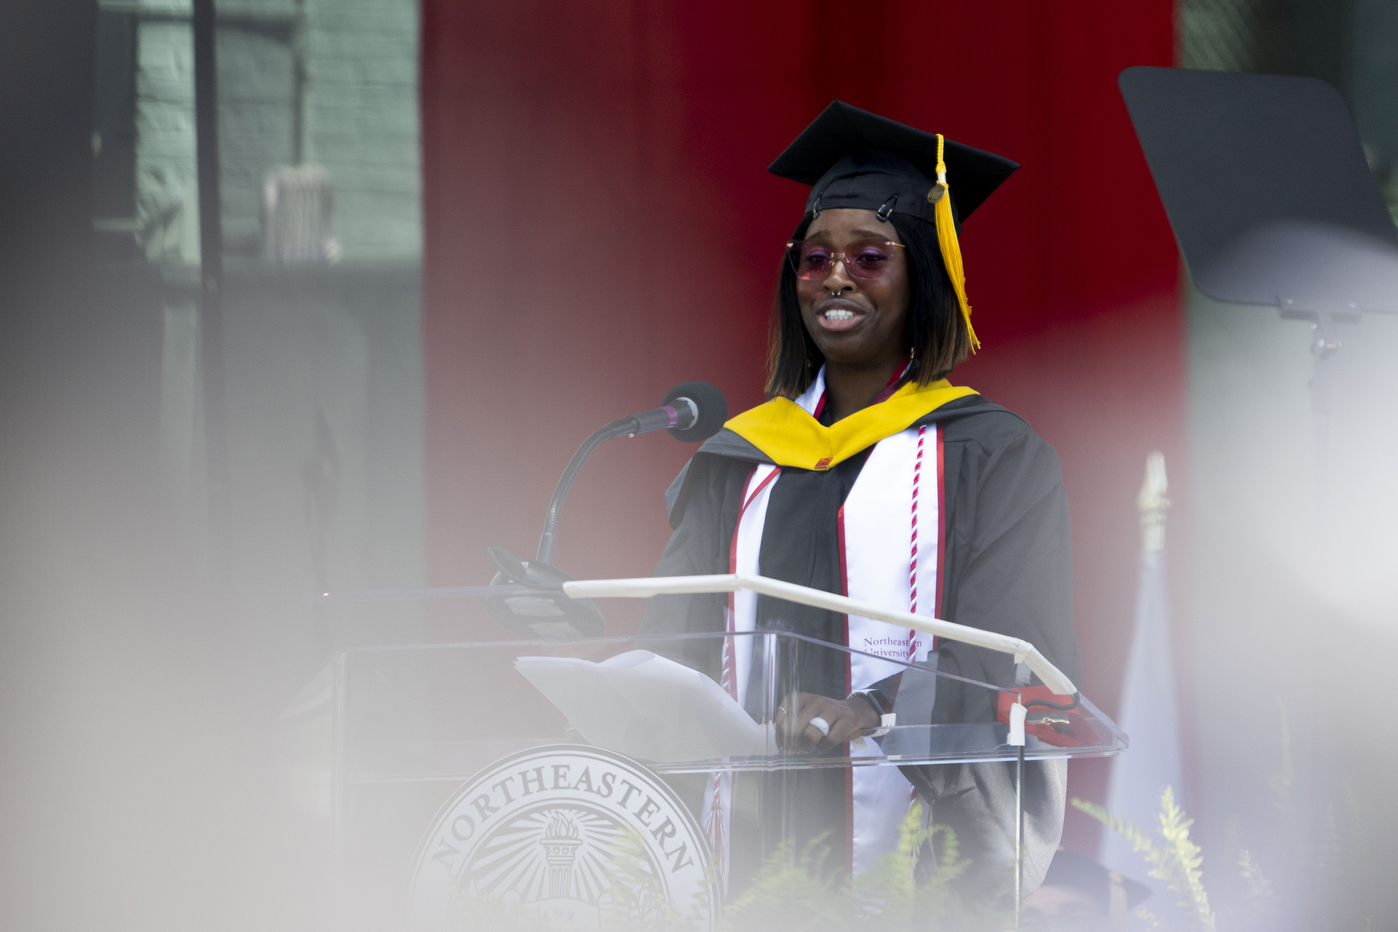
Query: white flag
{"points": [[1149, 712]]}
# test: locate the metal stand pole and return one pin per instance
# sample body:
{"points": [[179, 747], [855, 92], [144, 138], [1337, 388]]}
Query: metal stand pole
{"points": [[1324, 345], [786, 681], [210, 271], [1019, 830], [339, 803], [1323, 348], [775, 789]]}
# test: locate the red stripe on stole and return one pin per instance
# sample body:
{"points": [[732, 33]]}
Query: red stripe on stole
{"points": [[941, 529], [730, 661], [742, 510], [849, 771], [733, 545]]}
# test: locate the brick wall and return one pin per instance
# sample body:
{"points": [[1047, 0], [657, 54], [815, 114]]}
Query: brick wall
{"points": [[361, 120], [350, 104]]}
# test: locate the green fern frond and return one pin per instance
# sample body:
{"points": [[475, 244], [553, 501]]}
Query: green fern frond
{"points": [[889, 896], [635, 900], [794, 891], [1259, 886], [802, 892], [950, 865], [1186, 858], [1140, 842], [1177, 862], [1149, 920]]}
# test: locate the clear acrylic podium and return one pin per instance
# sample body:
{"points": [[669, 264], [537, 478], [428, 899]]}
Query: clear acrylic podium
{"points": [[412, 723]]}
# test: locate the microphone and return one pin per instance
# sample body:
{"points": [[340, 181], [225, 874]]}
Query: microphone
{"points": [[691, 411]]}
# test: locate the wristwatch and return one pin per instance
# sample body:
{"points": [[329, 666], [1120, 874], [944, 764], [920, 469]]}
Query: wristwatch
{"points": [[882, 706]]}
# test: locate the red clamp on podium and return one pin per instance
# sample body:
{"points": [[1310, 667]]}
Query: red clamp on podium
{"points": [[1053, 718]]}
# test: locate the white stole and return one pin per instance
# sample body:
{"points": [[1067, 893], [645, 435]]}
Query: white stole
{"points": [[877, 520]]}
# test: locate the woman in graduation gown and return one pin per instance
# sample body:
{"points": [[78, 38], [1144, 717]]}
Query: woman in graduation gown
{"points": [[868, 474]]}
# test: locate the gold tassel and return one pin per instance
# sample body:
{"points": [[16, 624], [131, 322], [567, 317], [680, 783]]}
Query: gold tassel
{"points": [[946, 238]]}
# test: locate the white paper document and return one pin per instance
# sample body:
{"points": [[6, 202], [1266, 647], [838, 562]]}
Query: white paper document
{"points": [[648, 707]]}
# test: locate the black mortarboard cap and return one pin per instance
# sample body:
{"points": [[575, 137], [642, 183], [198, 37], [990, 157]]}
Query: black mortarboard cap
{"points": [[854, 158]]}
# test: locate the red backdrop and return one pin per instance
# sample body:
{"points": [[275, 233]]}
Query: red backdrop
{"points": [[600, 225]]}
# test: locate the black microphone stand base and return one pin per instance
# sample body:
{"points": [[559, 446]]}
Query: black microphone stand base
{"points": [[546, 613]]}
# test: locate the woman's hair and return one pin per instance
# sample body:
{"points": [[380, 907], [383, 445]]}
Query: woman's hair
{"points": [[936, 329]]}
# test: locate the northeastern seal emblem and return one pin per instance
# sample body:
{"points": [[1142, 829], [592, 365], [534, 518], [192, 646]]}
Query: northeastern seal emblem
{"points": [[573, 835]]}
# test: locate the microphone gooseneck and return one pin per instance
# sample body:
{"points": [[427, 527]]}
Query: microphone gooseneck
{"points": [[549, 539], [691, 411]]}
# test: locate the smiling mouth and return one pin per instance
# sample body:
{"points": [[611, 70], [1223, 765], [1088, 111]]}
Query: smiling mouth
{"points": [[836, 319]]}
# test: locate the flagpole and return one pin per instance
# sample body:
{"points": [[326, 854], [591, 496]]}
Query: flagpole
{"points": [[1148, 711], [1153, 505]]}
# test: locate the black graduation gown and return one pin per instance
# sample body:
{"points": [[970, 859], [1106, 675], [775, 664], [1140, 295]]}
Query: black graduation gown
{"points": [[1006, 567]]}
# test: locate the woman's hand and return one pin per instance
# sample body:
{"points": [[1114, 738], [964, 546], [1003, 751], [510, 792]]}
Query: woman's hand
{"points": [[844, 718]]}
